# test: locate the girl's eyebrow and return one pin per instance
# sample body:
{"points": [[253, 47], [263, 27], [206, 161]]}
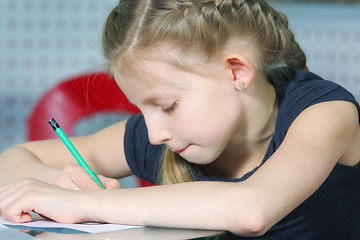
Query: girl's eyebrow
{"points": [[157, 98], [147, 100], [151, 99]]}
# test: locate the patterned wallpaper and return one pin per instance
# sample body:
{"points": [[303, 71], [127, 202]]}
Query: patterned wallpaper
{"points": [[41, 43]]}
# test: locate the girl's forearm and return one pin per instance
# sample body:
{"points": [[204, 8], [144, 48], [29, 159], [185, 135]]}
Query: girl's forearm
{"points": [[197, 205], [17, 163]]}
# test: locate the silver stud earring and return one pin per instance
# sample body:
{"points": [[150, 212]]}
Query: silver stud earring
{"points": [[240, 87]]}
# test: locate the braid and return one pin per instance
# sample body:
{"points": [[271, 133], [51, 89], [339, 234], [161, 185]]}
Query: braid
{"points": [[196, 23], [279, 50], [278, 39], [203, 28], [121, 29], [207, 26]]}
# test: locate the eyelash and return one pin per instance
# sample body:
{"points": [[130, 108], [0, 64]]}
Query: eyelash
{"points": [[170, 108]]}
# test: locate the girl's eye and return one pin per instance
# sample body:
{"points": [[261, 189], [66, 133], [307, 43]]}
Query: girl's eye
{"points": [[170, 108]]}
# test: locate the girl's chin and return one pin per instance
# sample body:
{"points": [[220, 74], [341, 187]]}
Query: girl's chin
{"points": [[198, 160], [191, 155]]}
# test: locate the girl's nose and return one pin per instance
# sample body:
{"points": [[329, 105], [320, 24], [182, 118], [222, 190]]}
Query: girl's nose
{"points": [[158, 132]]}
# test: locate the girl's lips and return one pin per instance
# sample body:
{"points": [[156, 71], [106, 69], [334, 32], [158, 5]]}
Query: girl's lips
{"points": [[181, 150]]}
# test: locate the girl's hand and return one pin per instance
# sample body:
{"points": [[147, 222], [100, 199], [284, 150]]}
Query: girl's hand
{"points": [[75, 177], [59, 204]]}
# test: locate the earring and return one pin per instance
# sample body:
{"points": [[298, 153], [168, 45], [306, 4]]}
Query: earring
{"points": [[240, 87]]}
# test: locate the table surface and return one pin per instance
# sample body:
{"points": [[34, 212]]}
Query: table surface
{"points": [[147, 233]]}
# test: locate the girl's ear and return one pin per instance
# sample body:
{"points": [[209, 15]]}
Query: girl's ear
{"points": [[242, 70]]}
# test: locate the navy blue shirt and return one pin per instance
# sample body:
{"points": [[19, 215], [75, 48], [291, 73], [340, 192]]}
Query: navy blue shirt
{"points": [[332, 212]]}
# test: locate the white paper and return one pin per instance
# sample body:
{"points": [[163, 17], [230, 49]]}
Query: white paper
{"points": [[88, 227]]}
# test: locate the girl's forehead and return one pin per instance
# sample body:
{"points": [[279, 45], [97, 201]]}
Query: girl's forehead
{"points": [[164, 56], [149, 74], [151, 79], [149, 88], [154, 68]]}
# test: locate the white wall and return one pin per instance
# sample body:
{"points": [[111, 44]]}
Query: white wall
{"points": [[45, 41]]}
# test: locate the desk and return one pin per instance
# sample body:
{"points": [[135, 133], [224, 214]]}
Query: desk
{"points": [[148, 233]]}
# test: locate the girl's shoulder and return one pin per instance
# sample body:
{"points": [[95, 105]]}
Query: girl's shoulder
{"points": [[307, 89], [311, 88]]}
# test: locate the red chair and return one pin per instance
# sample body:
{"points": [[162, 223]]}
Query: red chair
{"points": [[74, 99]]}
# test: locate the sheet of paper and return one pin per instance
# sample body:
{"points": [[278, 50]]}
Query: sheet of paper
{"points": [[88, 227]]}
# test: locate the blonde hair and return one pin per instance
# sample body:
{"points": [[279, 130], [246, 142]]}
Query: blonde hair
{"points": [[204, 28]]}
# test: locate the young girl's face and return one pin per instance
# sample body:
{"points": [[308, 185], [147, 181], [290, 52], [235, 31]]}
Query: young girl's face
{"points": [[193, 114]]}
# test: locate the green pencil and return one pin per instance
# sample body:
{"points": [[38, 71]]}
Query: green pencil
{"points": [[73, 150]]}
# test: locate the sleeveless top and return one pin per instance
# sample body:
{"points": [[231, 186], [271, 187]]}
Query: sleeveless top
{"points": [[331, 212]]}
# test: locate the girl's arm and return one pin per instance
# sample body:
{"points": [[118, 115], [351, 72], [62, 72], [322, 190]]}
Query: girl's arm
{"points": [[44, 160], [317, 139]]}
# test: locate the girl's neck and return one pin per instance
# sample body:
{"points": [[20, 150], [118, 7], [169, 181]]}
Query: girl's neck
{"points": [[257, 122], [248, 146]]}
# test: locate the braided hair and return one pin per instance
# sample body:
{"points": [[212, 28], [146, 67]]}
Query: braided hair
{"points": [[204, 28]]}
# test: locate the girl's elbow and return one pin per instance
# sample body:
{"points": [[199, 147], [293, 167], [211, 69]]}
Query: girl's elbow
{"points": [[251, 216], [252, 225]]}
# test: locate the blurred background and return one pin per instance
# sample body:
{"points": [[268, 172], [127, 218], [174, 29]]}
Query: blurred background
{"points": [[43, 42]]}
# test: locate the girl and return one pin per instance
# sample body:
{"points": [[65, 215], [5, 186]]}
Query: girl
{"points": [[234, 129]]}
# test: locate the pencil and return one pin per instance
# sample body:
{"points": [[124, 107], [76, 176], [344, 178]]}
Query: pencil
{"points": [[73, 150]]}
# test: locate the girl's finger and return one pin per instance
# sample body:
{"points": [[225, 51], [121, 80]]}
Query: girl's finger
{"points": [[10, 209], [64, 181], [109, 183], [9, 194], [5, 186], [81, 178], [18, 210]]}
